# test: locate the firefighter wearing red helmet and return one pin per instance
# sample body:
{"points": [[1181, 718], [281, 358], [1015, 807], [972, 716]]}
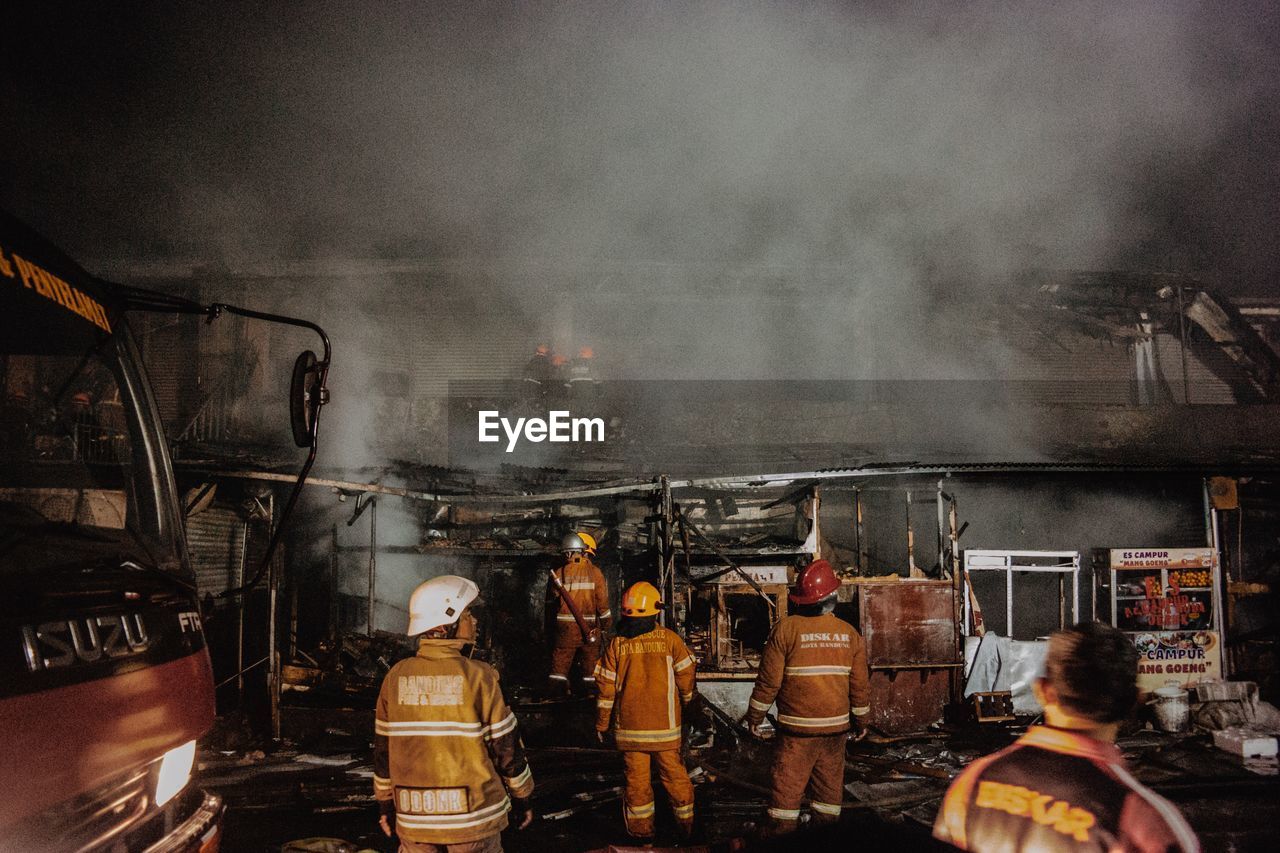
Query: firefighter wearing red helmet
{"points": [[814, 667]]}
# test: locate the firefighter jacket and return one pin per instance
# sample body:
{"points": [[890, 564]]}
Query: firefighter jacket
{"points": [[585, 584], [1055, 790], [643, 682], [815, 667], [445, 747]]}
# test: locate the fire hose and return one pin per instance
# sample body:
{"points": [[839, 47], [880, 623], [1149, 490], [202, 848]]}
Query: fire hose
{"points": [[589, 635]]}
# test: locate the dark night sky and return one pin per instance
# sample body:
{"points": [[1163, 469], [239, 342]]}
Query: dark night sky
{"points": [[1145, 135]]}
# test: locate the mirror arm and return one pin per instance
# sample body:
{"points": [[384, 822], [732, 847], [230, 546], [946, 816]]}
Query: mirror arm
{"points": [[214, 310], [139, 299]]}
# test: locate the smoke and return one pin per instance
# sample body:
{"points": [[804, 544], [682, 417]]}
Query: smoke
{"points": [[714, 190]]}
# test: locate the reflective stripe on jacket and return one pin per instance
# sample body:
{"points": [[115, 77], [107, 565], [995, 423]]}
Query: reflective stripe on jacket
{"points": [[643, 682], [1057, 790], [446, 747], [815, 668], [586, 585]]}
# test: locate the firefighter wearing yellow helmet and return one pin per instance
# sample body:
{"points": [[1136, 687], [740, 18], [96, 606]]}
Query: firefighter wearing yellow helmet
{"points": [[645, 678], [579, 597], [447, 760]]}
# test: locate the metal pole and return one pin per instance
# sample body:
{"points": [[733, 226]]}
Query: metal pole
{"points": [[1182, 349], [1216, 572], [333, 589], [1210, 538], [1008, 596], [957, 599], [273, 652], [293, 619], [244, 562], [942, 548], [814, 505], [373, 558], [666, 569]]}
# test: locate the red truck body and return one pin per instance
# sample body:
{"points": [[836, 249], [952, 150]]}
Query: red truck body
{"points": [[105, 681]]}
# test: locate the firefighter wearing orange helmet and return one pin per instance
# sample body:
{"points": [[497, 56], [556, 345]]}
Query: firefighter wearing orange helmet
{"points": [[579, 596], [645, 678], [814, 667]]}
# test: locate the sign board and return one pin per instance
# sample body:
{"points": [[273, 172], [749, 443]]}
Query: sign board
{"points": [[1161, 558], [1177, 657], [1166, 600], [759, 574]]}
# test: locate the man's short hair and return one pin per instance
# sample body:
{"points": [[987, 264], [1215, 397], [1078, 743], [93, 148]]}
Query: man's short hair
{"points": [[1094, 669]]}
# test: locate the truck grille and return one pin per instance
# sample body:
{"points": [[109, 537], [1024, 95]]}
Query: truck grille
{"points": [[93, 819]]}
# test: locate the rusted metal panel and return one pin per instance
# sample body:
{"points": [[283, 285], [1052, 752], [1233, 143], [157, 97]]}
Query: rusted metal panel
{"points": [[910, 622], [907, 700], [910, 632]]}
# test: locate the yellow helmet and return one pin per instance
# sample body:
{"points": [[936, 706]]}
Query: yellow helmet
{"points": [[641, 599], [588, 540]]}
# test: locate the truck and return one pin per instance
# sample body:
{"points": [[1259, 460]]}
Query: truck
{"points": [[105, 679]]}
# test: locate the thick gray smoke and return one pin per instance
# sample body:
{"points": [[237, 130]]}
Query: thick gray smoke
{"points": [[725, 190]]}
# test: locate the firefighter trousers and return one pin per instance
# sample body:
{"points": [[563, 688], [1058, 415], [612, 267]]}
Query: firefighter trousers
{"points": [[638, 807], [813, 765], [562, 658], [491, 844]]}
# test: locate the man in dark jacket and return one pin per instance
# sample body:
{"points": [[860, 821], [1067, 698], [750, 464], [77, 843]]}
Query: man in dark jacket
{"points": [[1063, 785]]}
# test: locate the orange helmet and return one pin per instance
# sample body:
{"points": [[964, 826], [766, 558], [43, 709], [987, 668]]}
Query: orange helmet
{"points": [[641, 599], [542, 349], [558, 360], [815, 582], [586, 352]]}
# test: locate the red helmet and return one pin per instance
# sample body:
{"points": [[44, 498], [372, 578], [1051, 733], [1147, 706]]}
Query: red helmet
{"points": [[815, 582]]}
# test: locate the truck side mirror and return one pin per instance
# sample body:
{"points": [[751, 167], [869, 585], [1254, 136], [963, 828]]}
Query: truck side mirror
{"points": [[304, 397]]}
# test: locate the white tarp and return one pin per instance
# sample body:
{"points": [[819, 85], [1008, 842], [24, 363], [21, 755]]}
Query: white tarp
{"points": [[995, 663]]}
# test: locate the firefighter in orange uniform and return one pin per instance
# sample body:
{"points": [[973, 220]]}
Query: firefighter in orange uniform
{"points": [[815, 667], [447, 759], [581, 581], [1063, 786], [645, 678]]}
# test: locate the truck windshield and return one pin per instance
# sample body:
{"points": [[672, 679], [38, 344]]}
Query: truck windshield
{"points": [[81, 460]]}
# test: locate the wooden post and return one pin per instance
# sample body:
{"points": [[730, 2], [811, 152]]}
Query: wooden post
{"points": [[860, 534]]}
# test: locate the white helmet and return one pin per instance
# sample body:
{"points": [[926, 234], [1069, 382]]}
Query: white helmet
{"points": [[440, 601], [572, 542]]}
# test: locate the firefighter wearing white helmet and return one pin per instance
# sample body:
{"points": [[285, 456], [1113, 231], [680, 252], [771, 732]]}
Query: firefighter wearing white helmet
{"points": [[447, 759], [579, 597]]}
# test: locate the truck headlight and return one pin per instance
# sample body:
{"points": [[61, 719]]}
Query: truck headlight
{"points": [[175, 771]]}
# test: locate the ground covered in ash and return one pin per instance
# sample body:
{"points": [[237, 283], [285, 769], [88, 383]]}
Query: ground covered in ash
{"points": [[316, 784]]}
